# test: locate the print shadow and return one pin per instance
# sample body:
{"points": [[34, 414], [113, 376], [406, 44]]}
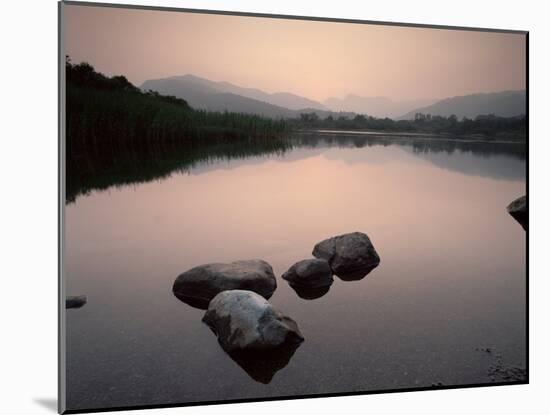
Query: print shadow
{"points": [[49, 403]]}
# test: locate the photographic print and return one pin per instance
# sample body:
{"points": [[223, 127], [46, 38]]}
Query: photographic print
{"points": [[271, 207]]}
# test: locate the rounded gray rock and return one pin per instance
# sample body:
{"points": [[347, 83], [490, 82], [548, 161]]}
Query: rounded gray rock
{"points": [[350, 256], [313, 272], [245, 321], [201, 284]]}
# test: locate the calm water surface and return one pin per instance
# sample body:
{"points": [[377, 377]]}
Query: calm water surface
{"points": [[451, 282]]}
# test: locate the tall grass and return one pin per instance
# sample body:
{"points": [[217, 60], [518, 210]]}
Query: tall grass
{"points": [[117, 133]]}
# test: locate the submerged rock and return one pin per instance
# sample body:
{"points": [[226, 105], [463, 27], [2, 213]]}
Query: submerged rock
{"points": [[244, 320], [519, 211], [351, 256], [200, 284], [75, 301], [310, 278]]}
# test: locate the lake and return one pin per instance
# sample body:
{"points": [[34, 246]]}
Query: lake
{"points": [[446, 306]]}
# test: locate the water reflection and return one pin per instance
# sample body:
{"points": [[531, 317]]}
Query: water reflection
{"points": [[88, 173], [453, 277], [195, 302], [357, 275], [478, 158]]}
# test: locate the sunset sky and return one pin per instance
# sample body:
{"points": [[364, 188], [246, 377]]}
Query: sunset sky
{"points": [[313, 59]]}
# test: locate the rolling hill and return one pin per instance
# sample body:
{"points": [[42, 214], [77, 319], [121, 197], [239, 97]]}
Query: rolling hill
{"points": [[202, 93], [504, 104]]}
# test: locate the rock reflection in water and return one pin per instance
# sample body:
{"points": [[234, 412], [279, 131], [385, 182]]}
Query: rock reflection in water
{"points": [[261, 365], [310, 293], [196, 302], [356, 275]]}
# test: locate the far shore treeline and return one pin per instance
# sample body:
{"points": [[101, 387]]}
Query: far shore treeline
{"points": [[118, 134], [490, 127]]}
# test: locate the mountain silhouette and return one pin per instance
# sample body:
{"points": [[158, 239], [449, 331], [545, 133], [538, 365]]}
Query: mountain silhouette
{"points": [[503, 104], [205, 94]]}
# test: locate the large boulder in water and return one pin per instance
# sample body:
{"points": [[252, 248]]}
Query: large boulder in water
{"points": [[351, 256], [202, 283], [519, 211], [245, 321], [256, 336], [310, 278]]}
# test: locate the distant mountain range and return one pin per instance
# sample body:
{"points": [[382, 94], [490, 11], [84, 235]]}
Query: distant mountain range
{"points": [[205, 94], [380, 107], [504, 104], [202, 93]]}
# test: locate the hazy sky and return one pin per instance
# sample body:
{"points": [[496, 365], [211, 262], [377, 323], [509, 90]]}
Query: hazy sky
{"points": [[313, 59]]}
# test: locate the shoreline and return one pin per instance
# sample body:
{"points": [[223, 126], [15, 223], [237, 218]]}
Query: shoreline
{"points": [[414, 135]]}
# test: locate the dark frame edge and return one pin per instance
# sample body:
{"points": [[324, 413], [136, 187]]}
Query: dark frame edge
{"points": [[61, 329], [289, 17], [527, 190]]}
